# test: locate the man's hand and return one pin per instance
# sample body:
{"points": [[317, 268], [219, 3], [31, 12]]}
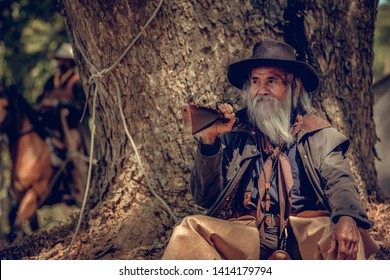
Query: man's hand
{"points": [[345, 239], [210, 134], [49, 102]]}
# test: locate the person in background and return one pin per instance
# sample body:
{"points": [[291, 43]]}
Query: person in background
{"points": [[61, 105]]}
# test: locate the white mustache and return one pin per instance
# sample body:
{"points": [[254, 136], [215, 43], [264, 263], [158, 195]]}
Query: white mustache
{"points": [[265, 99]]}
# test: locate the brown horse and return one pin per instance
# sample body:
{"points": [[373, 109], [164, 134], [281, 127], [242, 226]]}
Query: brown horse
{"points": [[32, 174]]}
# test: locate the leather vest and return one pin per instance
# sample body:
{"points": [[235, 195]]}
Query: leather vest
{"points": [[64, 93]]}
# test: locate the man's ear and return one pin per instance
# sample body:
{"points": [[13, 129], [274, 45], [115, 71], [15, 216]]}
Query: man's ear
{"points": [[296, 90]]}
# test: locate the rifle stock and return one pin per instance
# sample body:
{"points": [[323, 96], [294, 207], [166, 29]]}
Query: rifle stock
{"points": [[197, 118]]}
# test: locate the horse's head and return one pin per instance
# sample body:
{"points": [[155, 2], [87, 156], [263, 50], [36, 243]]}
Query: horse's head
{"points": [[7, 109], [4, 107], [14, 109]]}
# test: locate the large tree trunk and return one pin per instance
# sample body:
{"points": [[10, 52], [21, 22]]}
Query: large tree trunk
{"points": [[182, 58], [339, 38]]}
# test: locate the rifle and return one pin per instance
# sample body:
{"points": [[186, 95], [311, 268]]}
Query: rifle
{"points": [[197, 118]]}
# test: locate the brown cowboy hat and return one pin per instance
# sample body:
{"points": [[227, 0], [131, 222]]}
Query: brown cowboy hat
{"points": [[276, 54]]}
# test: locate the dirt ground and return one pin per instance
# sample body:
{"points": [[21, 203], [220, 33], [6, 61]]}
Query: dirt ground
{"points": [[380, 213], [102, 240]]}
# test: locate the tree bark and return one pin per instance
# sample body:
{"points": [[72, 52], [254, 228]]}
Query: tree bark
{"points": [[181, 58], [338, 38]]}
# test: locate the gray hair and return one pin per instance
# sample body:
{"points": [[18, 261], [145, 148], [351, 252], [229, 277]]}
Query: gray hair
{"points": [[276, 122], [301, 100]]}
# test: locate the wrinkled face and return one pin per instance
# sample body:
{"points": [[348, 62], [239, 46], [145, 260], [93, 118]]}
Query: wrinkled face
{"points": [[269, 103], [268, 82], [4, 110]]}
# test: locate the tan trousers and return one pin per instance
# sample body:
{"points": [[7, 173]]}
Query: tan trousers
{"points": [[313, 236], [201, 237]]}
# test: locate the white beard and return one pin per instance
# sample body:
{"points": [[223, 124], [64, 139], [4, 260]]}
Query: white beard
{"points": [[272, 117]]}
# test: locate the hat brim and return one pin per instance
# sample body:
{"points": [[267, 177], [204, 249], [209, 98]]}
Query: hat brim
{"points": [[54, 56], [62, 57], [238, 73]]}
